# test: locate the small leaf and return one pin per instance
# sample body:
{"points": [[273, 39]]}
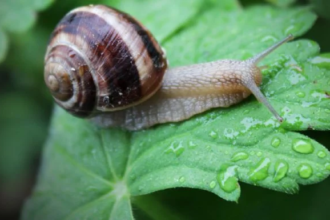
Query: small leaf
{"points": [[17, 16]]}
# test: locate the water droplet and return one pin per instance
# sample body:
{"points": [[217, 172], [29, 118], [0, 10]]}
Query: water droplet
{"points": [[321, 154], [302, 146], [227, 179], [250, 123], [269, 38], [307, 104], [176, 148], [281, 168], [230, 133], [260, 172], [213, 134], [295, 67], [292, 120], [295, 76], [182, 179], [321, 60], [282, 130], [300, 94], [212, 184], [192, 144], [252, 153], [327, 166], [291, 29], [259, 154], [276, 142], [239, 156], [208, 147], [272, 122], [305, 171], [319, 175], [319, 94]]}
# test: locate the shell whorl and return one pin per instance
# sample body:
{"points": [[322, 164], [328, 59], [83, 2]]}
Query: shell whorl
{"points": [[100, 59]]}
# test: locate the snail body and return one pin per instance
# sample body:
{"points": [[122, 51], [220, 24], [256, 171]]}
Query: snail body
{"points": [[103, 64]]}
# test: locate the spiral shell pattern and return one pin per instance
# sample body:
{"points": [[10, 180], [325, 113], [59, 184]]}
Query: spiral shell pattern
{"points": [[100, 59]]}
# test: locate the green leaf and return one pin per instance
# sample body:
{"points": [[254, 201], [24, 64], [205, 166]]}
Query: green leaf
{"points": [[322, 7], [88, 171], [28, 50], [182, 13], [17, 16], [281, 3], [20, 112], [3, 45]]}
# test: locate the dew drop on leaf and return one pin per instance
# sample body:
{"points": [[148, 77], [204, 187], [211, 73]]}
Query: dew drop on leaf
{"points": [[230, 133], [321, 154], [302, 146], [249, 123], [260, 172], [305, 171], [175, 148], [295, 76], [281, 168], [300, 94], [192, 144], [319, 95], [227, 179], [213, 134], [319, 175], [239, 156], [269, 38], [292, 120], [276, 142], [322, 61], [182, 179], [212, 184], [259, 153], [291, 29], [327, 166], [307, 104]]}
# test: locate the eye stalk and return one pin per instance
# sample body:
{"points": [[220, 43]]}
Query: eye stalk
{"points": [[249, 83], [256, 59]]}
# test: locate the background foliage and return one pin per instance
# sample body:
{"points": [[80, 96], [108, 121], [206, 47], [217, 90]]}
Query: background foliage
{"points": [[26, 107]]}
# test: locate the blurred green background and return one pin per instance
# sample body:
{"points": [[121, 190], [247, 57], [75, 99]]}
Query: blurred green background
{"points": [[26, 107]]}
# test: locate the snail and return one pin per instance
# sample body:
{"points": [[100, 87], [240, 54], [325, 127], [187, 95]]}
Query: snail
{"points": [[103, 64]]}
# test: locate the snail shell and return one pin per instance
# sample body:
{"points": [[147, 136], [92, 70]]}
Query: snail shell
{"points": [[103, 64], [100, 59]]}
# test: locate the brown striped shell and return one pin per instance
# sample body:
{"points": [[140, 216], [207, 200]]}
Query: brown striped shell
{"points": [[100, 59]]}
